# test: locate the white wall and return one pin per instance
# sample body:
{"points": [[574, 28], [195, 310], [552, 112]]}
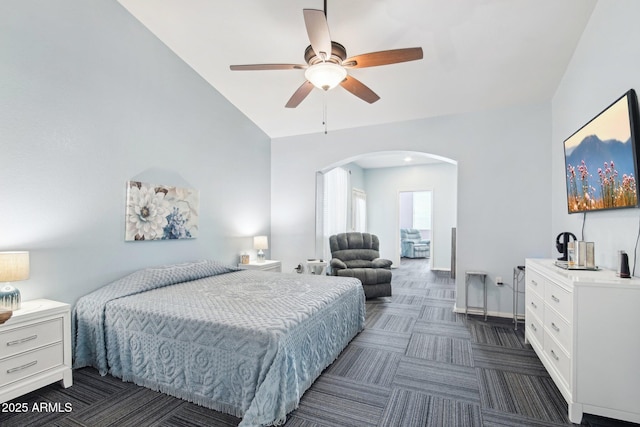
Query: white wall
{"points": [[384, 186], [89, 99], [605, 65], [504, 176]]}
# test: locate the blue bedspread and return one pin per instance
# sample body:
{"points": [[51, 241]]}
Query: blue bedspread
{"points": [[248, 343]]}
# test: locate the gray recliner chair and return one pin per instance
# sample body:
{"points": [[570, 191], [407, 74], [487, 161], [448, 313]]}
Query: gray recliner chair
{"points": [[357, 255]]}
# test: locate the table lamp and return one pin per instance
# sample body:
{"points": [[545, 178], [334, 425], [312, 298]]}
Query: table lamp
{"points": [[14, 266], [260, 243]]}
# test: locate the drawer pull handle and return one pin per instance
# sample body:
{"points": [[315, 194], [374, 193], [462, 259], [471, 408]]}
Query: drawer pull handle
{"points": [[553, 297], [534, 305], [555, 328], [22, 340], [554, 355], [20, 368], [534, 328], [534, 283]]}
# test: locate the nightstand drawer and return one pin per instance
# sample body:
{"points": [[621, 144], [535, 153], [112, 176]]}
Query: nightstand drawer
{"points": [[30, 337], [30, 363]]}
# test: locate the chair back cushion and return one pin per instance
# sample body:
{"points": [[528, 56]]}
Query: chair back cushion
{"points": [[410, 234], [357, 250]]}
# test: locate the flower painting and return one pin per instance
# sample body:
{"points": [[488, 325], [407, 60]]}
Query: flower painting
{"points": [[600, 160], [160, 212]]}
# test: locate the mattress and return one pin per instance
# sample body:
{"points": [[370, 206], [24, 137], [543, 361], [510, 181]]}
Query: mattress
{"points": [[248, 343]]}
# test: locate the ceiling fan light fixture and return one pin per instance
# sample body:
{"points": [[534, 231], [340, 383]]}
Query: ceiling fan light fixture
{"points": [[325, 75]]}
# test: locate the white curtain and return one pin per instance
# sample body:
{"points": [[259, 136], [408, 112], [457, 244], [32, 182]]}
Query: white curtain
{"points": [[358, 210], [336, 195]]}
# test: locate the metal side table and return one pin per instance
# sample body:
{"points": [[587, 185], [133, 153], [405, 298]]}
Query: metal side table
{"points": [[518, 288], [469, 275]]}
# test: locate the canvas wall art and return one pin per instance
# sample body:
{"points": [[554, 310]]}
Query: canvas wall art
{"points": [[600, 159], [160, 212]]}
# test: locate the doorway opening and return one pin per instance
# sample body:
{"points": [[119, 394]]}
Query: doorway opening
{"points": [[382, 176], [415, 214]]}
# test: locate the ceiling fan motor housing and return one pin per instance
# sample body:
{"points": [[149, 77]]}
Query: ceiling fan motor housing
{"points": [[338, 54]]}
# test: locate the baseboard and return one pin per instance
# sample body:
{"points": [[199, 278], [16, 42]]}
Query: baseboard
{"points": [[509, 315]]}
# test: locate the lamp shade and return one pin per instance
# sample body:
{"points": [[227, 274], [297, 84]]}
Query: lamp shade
{"points": [[14, 266], [325, 75], [260, 242]]}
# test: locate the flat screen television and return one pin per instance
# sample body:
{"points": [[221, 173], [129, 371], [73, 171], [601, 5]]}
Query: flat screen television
{"points": [[601, 159]]}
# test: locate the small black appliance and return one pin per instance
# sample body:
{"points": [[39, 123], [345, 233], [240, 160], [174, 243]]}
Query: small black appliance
{"points": [[562, 244], [623, 269]]}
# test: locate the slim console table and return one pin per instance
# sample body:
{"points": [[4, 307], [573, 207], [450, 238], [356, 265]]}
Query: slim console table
{"points": [[469, 275], [583, 327], [518, 289]]}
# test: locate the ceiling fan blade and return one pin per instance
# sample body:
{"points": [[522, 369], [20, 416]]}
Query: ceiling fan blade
{"points": [[318, 32], [300, 94], [384, 57], [254, 67], [357, 88]]}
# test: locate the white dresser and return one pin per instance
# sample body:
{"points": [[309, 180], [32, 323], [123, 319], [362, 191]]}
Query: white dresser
{"points": [[585, 328], [35, 348]]}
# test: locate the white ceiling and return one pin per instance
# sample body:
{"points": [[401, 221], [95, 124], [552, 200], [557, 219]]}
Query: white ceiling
{"points": [[478, 54]]}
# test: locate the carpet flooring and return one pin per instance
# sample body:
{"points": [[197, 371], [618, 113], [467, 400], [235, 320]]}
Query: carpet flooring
{"points": [[417, 363]]}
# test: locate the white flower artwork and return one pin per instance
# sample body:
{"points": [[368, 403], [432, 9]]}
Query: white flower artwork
{"points": [[160, 212]]}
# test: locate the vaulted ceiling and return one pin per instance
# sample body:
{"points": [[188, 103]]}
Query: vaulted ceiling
{"points": [[478, 54]]}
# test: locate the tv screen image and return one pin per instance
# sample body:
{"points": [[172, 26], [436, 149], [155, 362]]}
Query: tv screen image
{"points": [[601, 159]]}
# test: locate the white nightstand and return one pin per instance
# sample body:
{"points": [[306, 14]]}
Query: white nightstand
{"points": [[266, 265], [35, 348]]}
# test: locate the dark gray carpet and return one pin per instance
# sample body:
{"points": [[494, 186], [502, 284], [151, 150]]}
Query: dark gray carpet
{"points": [[417, 363]]}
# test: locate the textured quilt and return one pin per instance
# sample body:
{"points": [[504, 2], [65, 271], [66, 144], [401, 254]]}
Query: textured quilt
{"points": [[248, 343]]}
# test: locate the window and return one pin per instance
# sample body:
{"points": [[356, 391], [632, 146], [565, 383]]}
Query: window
{"points": [[422, 210]]}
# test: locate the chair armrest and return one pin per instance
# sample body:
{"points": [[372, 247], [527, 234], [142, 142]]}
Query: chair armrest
{"points": [[337, 264], [381, 263]]}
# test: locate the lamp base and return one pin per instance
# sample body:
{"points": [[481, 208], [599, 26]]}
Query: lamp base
{"points": [[10, 297], [260, 256]]}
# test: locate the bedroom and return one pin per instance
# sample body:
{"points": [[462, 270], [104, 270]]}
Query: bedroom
{"points": [[90, 101]]}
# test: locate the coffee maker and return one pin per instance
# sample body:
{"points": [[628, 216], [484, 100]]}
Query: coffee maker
{"points": [[562, 244]]}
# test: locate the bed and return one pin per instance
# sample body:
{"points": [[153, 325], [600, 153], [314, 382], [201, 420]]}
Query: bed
{"points": [[245, 342]]}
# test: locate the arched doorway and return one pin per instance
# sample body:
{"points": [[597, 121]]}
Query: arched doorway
{"points": [[384, 175]]}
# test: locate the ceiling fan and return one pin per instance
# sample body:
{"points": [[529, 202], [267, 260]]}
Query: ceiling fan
{"points": [[327, 63]]}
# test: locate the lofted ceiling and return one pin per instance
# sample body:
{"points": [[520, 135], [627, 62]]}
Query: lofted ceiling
{"points": [[478, 54]]}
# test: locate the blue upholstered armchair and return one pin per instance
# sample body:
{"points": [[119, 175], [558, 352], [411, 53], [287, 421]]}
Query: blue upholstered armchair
{"points": [[413, 245]]}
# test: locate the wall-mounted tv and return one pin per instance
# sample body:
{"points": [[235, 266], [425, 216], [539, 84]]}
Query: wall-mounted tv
{"points": [[601, 159]]}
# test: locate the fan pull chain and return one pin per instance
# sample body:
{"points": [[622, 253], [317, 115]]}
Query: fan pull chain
{"points": [[324, 111]]}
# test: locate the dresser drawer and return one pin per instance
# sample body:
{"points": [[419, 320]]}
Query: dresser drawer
{"points": [[558, 328], [559, 299], [534, 283], [534, 304], [26, 338], [559, 359], [533, 329], [30, 363]]}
